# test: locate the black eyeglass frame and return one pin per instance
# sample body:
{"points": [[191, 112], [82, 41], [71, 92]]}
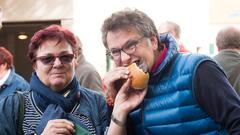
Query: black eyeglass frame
{"points": [[132, 45]]}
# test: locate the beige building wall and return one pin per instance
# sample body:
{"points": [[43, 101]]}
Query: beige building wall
{"points": [[70, 15], [200, 21], [225, 11], [38, 10]]}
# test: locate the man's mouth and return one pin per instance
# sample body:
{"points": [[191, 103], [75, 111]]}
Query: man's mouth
{"points": [[142, 65]]}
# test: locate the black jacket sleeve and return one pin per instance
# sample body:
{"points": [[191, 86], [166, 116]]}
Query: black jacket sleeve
{"points": [[217, 97]]}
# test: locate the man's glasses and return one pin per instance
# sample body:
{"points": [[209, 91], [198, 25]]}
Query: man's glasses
{"points": [[50, 59], [129, 48]]}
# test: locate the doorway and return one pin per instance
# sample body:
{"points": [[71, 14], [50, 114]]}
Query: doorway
{"points": [[9, 38]]}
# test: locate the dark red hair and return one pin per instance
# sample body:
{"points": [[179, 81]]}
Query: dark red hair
{"points": [[49, 33], [6, 57]]}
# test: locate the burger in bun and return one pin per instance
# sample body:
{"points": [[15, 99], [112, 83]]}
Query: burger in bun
{"points": [[138, 77]]}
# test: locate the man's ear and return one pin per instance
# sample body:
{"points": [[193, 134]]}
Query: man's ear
{"points": [[154, 42]]}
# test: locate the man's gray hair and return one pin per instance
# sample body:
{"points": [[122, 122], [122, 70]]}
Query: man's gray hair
{"points": [[129, 18], [228, 38]]}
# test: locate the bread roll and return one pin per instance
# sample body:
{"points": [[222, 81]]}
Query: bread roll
{"points": [[138, 77]]}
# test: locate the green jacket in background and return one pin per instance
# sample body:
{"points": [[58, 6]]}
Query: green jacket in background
{"points": [[230, 61]]}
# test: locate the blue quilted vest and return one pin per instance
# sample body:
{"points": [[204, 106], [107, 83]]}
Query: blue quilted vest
{"points": [[170, 106]]}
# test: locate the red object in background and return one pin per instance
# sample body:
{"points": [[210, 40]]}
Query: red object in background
{"points": [[182, 48]]}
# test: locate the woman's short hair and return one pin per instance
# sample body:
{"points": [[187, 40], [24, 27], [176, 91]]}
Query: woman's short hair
{"points": [[49, 33], [6, 57]]}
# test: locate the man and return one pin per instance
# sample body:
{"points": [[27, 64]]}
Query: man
{"points": [[228, 44], [175, 30], [86, 73], [9, 80], [186, 94]]}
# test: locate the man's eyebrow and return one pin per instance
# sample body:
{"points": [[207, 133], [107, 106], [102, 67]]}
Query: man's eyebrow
{"points": [[129, 41], [125, 44]]}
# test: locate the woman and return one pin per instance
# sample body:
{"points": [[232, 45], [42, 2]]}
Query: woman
{"points": [[56, 104]]}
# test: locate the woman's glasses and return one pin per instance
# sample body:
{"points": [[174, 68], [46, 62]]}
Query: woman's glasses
{"points": [[50, 59]]}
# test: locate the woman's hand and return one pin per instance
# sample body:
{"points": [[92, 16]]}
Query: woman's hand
{"points": [[59, 126]]}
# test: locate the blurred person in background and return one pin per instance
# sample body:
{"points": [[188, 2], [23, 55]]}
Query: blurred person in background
{"points": [[10, 81], [228, 44], [85, 72], [175, 30], [56, 103]]}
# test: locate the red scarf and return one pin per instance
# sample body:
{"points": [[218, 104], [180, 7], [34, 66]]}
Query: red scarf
{"points": [[159, 60]]}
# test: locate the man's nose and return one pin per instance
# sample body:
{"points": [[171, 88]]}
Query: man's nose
{"points": [[125, 58]]}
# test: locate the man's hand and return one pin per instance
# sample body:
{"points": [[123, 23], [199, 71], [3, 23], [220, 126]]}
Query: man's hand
{"points": [[127, 99], [113, 81]]}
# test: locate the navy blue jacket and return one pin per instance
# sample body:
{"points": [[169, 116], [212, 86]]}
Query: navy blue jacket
{"points": [[14, 83], [91, 104]]}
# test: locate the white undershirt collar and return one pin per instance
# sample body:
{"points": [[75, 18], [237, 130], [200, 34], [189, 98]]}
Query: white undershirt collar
{"points": [[5, 77]]}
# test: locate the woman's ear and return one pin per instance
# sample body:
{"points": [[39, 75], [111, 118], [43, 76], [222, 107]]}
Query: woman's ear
{"points": [[34, 66], [76, 62]]}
